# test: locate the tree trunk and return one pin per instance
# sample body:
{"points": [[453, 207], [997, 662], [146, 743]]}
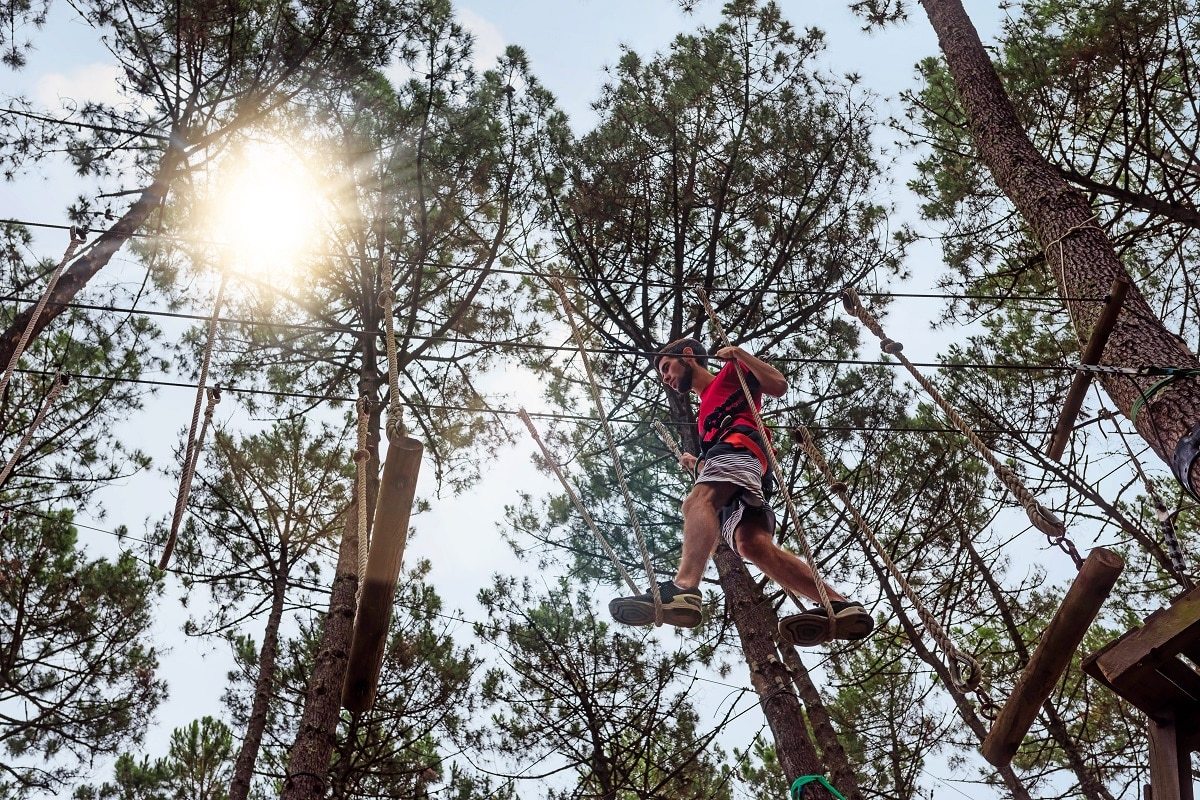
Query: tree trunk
{"points": [[1078, 252], [76, 276], [841, 773], [308, 761], [756, 624], [243, 768]]}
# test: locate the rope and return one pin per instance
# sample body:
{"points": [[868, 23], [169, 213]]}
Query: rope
{"points": [[1062, 261], [27, 334], [794, 515], [667, 439], [1166, 523], [955, 658], [1041, 517], [361, 455], [189, 471], [395, 411], [631, 508], [60, 383], [574, 497], [193, 441]]}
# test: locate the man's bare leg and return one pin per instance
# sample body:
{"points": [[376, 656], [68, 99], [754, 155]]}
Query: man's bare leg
{"points": [[701, 529], [787, 569]]}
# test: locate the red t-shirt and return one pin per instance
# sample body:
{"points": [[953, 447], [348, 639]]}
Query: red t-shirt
{"points": [[725, 389]]}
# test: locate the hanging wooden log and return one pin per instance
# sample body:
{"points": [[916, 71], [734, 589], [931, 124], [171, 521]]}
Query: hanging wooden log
{"points": [[389, 535], [1053, 654], [1091, 356]]}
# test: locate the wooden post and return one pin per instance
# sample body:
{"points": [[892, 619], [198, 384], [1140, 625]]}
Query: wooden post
{"points": [[390, 533], [1091, 355], [1053, 654], [1170, 761]]}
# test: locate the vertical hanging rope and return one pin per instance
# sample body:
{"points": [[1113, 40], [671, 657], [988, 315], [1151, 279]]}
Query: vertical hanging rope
{"points": [[191, 451], [1039, 516], [575, 500], [56, 388], [793, 514], [27, 334], [185, 479], [631, 508], [361, 456], [395, 412], [1166, 523], [956, 660]]}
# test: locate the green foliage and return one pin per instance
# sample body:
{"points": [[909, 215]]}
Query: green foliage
{"points": [[608, 708], [77, 671], [196, 767]]}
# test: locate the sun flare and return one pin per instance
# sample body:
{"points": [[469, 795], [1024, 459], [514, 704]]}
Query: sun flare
{"points": [[264, 210]]}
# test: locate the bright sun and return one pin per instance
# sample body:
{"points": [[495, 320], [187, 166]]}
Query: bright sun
{"points": [[265, 210]]}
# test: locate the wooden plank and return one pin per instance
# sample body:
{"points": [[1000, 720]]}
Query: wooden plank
{"points": [[1170, 628], [1091, 355], [389, 536], [1053, 654], [1170, 764]]}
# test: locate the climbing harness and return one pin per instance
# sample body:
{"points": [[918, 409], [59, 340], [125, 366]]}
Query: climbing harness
{"points": [[573, 495], [630, 506], [797, 790], [1041, 517], [781, 482], [56, 388], [195, 442]]}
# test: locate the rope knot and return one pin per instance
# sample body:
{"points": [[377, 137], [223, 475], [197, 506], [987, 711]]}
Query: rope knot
{"points": [[362, 455], [890, 346]]}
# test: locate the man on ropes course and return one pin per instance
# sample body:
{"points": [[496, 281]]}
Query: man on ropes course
{"points": [[730, 495]]}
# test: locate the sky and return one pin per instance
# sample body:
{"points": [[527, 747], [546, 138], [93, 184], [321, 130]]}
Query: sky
{"points": [[569, 43]]}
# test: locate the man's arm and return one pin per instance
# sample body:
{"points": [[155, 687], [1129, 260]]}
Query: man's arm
{"points": [[770, 379]]}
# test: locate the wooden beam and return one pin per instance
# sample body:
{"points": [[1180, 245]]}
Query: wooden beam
{"points": [[1053, 654], [388, 538], [1175, 628], [1170, 762], [1091, 356]]}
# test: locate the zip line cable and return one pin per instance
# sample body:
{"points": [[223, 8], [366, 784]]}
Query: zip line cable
{"points": [[831, 294], [550, 415], [537, 346]]}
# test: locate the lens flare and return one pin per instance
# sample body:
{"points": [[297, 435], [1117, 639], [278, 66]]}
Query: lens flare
{"points": [[264, 210]]}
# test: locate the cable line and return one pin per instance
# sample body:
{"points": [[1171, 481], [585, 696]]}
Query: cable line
{"points": [[613, 351], [831, 294]]}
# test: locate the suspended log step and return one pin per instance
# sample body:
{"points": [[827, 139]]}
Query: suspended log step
{"points": [[1091, 356], [389, 536], [1053, 654]]}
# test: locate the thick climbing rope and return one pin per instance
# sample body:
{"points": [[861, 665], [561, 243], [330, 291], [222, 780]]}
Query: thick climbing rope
{"points": [[556, 468], [191, 451], [667, 439], [361, 456], [780, 480], [185, 479], [618, 470], [56, 388], [27, 334], [1041, 517], [1166, 523], [395, 411], [956, 660]]}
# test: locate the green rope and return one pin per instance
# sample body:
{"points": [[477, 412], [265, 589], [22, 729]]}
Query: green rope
{"points": [[797, 790], [1173, 374]]}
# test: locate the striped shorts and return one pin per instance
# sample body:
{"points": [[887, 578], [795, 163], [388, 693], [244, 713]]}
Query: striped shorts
{"points": [[727, 464]]}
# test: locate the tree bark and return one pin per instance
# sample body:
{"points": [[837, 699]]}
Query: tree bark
{"points": [[75, 277], [243, 768], [841, 773], [308, 761], [1078, 252]]}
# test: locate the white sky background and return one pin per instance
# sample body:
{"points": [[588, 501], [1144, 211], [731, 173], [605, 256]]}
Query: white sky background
{"points": [[569, 42]]}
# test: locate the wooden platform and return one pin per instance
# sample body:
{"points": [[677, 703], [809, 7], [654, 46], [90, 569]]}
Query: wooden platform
{"points": [[1156, 667]]}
